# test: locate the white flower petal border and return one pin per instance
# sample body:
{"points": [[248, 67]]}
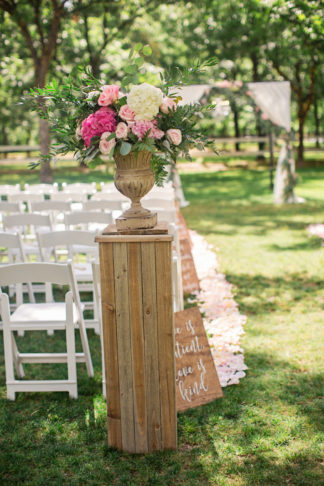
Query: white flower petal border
{"points": [[223, 321]]}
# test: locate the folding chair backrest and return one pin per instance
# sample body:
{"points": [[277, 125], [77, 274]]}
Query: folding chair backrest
{"points": [[66, 238], [6, 189], [83, 187], [101, 205], [158, 203], [34, 272], [110, 196], [41, 188], [107, 187], [51, 205], [70, 196], [12, 241], [25, 197], [9, 207], [166, 215], [27, 219], [87, 217]]}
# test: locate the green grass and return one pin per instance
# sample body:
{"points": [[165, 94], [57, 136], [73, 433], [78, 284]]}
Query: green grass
{"points": [[268, 430]]}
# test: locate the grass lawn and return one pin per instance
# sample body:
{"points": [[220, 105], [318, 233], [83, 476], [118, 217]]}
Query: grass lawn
{"points": [[268, 430]]}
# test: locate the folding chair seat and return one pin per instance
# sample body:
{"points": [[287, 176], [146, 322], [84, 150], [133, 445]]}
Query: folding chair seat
{"points": [[8, 208], [48, 316]]}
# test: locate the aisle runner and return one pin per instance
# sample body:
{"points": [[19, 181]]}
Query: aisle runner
{"points": [[222, 321]]}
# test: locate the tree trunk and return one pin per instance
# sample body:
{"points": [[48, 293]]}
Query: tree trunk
{"points": [[256, 79], [44, 140], [236, 123], [45, 173], [317, 123], [300, 150]]}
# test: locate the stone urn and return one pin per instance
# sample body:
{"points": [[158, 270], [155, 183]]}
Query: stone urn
{"points": [[134, 178]]}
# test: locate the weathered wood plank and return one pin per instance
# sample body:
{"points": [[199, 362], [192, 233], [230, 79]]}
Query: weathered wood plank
{"points": [[136, 316], [151, 346], [125, 362], [110, 344], [166, 345]]}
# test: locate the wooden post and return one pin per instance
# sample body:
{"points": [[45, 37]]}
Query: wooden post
{"points": [[137, 314], [271, 158]]}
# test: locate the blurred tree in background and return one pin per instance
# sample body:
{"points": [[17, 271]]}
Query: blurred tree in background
{"points": [[254, 40]]}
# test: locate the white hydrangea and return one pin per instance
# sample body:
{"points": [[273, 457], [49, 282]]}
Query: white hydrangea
{"points": [[144, 100]]}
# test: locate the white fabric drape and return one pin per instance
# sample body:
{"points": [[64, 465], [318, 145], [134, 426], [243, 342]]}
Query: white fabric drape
{"points": [[273, 98], [191, 94]]}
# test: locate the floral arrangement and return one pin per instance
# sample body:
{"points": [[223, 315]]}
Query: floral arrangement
{"points": [[95, 120]]}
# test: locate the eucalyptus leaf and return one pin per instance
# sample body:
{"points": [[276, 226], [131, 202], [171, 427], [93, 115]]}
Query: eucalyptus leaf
{"points": [[138, 46], [125, 148]]}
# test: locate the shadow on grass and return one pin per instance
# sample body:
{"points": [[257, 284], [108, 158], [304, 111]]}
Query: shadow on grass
{"points": [[248, 435], [258, 294]]}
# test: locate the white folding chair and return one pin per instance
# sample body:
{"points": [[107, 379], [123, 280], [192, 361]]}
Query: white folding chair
{"points": [[12, 251], [27, 224], [107, 187], [8, 208], [80, 187], [6, 189], [97, 304], [42, 188], [48, 316], [73, 245], [55, 209], [87, 220], [111, 196], [101, 205], [26, 197], [158, 203], [168, 215]]}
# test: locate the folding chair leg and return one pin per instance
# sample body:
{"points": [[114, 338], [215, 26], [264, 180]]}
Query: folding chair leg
{"points": [[18, 365], [8, 349], [85, 347], [70, 348]]}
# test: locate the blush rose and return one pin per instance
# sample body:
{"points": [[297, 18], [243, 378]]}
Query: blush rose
{"points": [[108, 95], [174, 135]]}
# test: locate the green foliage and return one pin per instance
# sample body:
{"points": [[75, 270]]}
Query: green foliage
{"points": [[66, 105]]}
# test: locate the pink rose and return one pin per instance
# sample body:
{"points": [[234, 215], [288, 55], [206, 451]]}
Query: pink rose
{"points": [[126, 113], [105, 146], [108, 95], [168, 104], [174, 135], [264, 116], [121, 130]]}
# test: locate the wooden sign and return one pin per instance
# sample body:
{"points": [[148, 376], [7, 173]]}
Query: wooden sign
{"points": [[190, 281], [196, 376]]}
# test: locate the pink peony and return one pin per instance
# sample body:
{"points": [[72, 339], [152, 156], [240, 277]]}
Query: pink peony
{"points": [[174, 135], [168, 104], [105, 146], [121, 130], [108, 95], [126, 113], [264, 116], [103, 120], [140, 128]]}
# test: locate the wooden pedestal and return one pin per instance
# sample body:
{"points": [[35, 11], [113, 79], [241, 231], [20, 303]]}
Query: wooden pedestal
{"points": [[137, 313]]}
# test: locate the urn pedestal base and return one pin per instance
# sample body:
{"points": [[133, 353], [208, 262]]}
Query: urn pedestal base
{"points": [[142, 222]]}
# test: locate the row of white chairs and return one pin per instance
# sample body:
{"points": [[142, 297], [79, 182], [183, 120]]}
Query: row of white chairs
{"points": [[49, 316]]}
